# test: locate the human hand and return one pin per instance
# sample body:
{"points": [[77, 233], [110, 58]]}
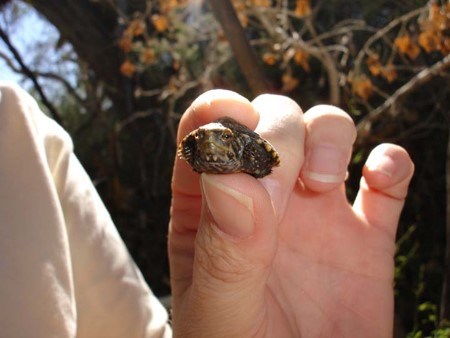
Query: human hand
{"points": [[285, 255]]}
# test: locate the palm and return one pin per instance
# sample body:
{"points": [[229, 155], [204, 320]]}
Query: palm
{"points": [[330, 273], [326, 260]]}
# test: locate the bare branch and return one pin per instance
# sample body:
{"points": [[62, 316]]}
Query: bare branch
{"points": [[48, 75], [418, 80], [329, 64], [382, 32], [27, 72], [314, 47], [91, 28], [132, 118]]}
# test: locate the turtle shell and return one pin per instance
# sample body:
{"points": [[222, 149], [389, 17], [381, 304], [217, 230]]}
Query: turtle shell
{"points": [[226, 146]]}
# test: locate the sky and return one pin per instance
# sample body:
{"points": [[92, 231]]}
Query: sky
{"points": [[23, 32], [33, 36]]}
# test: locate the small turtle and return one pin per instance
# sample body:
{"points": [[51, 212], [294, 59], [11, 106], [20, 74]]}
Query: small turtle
{"points": [[226, 146]]}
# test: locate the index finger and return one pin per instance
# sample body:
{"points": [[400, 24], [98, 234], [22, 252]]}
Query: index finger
{"points": [[206, 108]]}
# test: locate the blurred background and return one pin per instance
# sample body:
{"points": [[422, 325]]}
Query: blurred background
{"points": [[118, 74]]}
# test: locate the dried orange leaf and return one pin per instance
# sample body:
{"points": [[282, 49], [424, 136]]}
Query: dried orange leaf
{"points": [[160, 22], [261, 3], [389, 72], [374, 65], [362, 86], [301, 59], [269, 59], [413, 52], [289, 83], [126, 43], [166, 6], [429, 40], [240, 8], [148, 56], [302, 8], [127, 68], [406, 46], [137, 27], [402, 43], [436, 16]]}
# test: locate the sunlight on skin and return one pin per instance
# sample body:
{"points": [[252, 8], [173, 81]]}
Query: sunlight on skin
{"points": [[314, 266]]}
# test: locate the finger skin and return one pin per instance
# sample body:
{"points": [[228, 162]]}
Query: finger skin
{"points": [[330, 134], [227, 270], [281, 123], [384, 186]]}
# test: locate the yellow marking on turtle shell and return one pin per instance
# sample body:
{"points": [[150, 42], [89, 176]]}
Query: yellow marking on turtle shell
{"points": [[268, 147]]}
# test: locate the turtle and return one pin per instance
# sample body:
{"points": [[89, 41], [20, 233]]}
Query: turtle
{"points": [[226, 146]]}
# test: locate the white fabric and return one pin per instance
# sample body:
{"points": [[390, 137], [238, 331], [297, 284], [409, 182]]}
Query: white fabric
{"points": [[64, 270]]}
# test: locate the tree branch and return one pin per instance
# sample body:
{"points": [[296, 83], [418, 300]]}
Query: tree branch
{"points": [[91, 27], [314, 47], [245, 56], [328, 63], [47, 75], [27, 72], [418, 80], [382, 32]]}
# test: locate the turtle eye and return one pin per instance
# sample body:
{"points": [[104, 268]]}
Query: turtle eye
{"points": [[227, 135], [199, 134]]}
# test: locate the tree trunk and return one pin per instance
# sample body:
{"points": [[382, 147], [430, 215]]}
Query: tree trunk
{"points": [[251, 69], [445, 301]]}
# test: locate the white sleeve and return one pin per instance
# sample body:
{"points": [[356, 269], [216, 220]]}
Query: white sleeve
{"points": [[64, 270]]}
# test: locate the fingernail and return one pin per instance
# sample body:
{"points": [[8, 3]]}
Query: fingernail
{"points": [[231, 210], [326, 163], [381, 162]]}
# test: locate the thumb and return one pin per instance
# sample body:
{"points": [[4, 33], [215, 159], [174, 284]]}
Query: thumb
{"points": [[384, 186], [234, 248]]}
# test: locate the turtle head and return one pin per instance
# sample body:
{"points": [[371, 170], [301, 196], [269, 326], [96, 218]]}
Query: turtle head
{"points": [[213, 148], [226, 146]]}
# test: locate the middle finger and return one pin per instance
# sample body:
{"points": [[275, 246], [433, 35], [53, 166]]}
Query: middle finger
{"points": [[281, 123]]}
